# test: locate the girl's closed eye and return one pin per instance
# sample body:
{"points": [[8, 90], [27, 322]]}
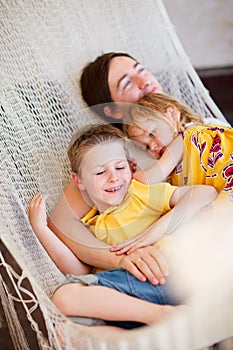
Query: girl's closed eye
{"points": [[151, 134]]}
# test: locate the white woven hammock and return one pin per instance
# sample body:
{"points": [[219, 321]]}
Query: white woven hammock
{"points": [[43, 46]]}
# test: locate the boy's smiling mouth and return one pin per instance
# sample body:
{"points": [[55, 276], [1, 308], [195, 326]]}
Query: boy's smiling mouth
{"points": [[114, 189]]}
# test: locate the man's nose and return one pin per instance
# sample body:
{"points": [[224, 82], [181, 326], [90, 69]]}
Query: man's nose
{"points": [[142, 82]]}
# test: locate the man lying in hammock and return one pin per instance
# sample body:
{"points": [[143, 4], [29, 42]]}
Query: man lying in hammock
{"points": [[122, 209]]}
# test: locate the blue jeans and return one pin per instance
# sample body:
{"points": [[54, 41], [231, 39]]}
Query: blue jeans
{"points": [[124, 282]]}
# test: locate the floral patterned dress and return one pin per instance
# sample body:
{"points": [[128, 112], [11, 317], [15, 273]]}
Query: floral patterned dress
{"points": [[207, 158]]}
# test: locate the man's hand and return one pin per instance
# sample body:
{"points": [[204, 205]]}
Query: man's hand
{"points": [[146, 263]]}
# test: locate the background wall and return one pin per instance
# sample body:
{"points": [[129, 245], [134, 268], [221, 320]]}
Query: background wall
{"points": [[205, 28]]}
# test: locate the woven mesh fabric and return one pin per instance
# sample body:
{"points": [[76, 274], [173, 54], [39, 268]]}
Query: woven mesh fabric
{"points": [[43, 47]]}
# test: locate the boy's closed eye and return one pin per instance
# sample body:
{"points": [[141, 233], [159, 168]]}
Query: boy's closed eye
{"points": [[101, 172], [121, 167]]}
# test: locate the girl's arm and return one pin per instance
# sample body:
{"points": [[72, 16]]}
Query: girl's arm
{"points": [[163, 166], [185, 203]]}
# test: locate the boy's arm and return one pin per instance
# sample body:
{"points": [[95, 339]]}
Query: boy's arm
{"points": [[163, 166], [57, 250], [185, 203], [147, 263]]}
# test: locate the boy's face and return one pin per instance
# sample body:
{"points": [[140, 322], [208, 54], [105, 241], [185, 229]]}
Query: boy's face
{"points": [[105, 174], [153, 134]]}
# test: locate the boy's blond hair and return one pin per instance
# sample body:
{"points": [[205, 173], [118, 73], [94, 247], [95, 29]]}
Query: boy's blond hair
{"points": [[88, 137]]}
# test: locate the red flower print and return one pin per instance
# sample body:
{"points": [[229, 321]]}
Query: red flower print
{"points": [[228, 174], [216, 146]]}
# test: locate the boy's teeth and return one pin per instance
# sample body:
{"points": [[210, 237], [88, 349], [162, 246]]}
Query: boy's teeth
{"points": [[113, 189]]}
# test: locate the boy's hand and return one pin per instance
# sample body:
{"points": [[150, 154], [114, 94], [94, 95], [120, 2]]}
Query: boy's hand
{"points": [[37, 212]]}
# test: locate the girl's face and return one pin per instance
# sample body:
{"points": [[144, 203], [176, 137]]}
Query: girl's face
{"points": [[153, 134], [106, 174], [128, 80]]}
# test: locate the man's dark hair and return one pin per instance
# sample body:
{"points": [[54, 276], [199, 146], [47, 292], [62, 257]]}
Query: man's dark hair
{"points": [[94, 82]]}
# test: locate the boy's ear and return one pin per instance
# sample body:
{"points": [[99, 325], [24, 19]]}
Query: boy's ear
{"points": [[113, 112], [78, 182]]}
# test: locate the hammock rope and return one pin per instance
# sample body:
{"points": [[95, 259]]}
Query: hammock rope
{"points": [[44, 45]]}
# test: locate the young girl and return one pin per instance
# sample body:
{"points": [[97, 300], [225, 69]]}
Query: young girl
{"points": [[122, 208], [208, 149]]}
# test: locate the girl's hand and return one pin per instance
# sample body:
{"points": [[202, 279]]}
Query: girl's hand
{"points": [[130, 245], [37, 212]]}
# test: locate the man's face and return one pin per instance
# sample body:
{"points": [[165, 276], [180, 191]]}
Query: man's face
{"points": [[128, 80]]}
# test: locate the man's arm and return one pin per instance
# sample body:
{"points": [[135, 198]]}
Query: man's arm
{"points": [[146, 263]]}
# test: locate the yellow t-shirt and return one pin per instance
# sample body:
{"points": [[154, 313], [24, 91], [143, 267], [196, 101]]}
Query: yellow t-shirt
{"points": [[207, 158], [142, 206]]}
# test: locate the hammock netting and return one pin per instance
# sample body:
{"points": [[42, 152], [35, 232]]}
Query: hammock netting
{"points": [[43, 47]]}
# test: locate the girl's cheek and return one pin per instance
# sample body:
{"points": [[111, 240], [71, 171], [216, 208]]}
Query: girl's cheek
{"points": [[153, 155]]}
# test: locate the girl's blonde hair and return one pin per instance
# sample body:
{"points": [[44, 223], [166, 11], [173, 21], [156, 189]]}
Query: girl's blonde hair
{"points": [[155, 105], [88, 137]]}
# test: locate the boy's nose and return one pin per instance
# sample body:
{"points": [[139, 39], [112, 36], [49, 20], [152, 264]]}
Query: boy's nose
{"points": [[112, 176]]}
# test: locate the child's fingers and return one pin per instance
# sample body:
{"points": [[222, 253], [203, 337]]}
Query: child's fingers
{"points": [[38, 200], [127, 249], [46, 196], [120, 246], [35, 198], [34, 202], [122, 251], [125, 244], [43, 198], [135, 247]]}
